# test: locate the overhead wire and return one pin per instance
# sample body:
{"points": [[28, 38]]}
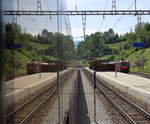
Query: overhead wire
{"points": [[47, 7], [123, 15], [65, 18], [32, 19], [102, 22], [49, 17]]}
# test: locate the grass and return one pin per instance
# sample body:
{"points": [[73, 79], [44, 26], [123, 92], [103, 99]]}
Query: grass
{"points": [[38, 45], [116, 45], [16, 60], [137, 56], [132, 55]]}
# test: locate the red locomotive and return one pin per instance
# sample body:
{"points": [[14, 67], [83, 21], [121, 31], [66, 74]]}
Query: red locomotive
{"points": [[107, 65], [124, 66], [52, 66], [33, 67]]}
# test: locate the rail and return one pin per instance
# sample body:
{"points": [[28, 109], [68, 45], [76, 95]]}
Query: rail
{"points": [[15, 76], [20, 115], [140, 74], [129, 110]]}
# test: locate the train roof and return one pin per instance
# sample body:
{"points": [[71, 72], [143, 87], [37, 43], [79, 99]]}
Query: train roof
{"points": [[32, 62], [124, 61], [105, 60]]}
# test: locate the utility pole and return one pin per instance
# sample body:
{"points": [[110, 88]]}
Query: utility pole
{"points": [[14, 19], [15, 16], [58, 68], [139, 20], [135, 5], [114, 5], [18, 5], [75, 5], [39, 6], [84, 24]]}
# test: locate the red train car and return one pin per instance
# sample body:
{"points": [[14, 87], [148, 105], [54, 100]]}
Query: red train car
{"points": [[101, 65], [33, 67], [107, 65], [124, 66], [51, 66]]}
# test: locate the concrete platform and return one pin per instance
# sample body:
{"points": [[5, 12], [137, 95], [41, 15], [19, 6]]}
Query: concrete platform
{"points": [[20, 88], [26, 81], [138, 87], [86, 106]]}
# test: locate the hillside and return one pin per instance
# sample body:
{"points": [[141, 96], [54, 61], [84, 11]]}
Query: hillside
{"points": [[133, 55], [42, 47], [110, 45], [16, 60], [136, 57]]}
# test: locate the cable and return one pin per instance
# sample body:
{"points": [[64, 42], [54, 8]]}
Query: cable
{"points": [[123, 15], [102, 22], [47, 5], [32, 19], [39, 5], [76, 7]]}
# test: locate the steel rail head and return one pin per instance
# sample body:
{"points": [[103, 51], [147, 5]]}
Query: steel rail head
{"points": [[123, 113], [140, 110], [28, 117], [10, 115], [144, 113]]}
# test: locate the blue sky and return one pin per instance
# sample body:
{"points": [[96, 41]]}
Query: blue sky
{"points": [[35, 25], [97, 23]]}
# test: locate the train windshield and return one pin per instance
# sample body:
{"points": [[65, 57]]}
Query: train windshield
{"points": [[124, 64], [30, 65]]}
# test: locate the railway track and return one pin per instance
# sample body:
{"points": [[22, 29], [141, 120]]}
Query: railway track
{"points": [[26, 111], [140, 74], [131, 112], [15, 76]]}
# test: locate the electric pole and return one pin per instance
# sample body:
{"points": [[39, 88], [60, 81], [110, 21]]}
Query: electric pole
{"points": [[135, 5], [139, 21], [39, 6], [18, 5], [84, 24], [75, 5], [114, 5]]}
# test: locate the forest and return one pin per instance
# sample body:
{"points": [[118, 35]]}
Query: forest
{"points": [[98, 45], [47, 46], [42, 47]]}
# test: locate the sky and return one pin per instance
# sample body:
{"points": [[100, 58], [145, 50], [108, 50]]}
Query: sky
{"points": [[120, 24], [35, 24], [98, 23]]}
